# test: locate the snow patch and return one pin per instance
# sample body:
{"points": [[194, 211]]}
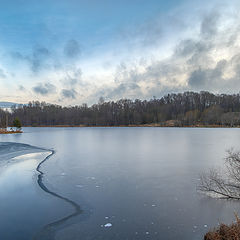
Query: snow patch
{"points": [[107, 225]]}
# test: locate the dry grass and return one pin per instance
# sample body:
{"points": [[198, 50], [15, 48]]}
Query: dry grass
{"points": [[225, 232]]}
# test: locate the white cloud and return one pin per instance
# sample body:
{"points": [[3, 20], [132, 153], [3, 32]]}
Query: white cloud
{"points": [[193, 47]]}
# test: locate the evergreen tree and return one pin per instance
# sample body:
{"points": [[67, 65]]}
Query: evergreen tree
{"points": [[17, 124]]}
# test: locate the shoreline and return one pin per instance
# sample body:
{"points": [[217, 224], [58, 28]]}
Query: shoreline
{"points": [[132, 126], [11, 132]]}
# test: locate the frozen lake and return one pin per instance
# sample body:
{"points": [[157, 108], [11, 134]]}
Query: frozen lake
{"points": [[112, 183]]}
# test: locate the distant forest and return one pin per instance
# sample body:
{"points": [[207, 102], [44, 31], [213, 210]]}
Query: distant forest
{"points": [[182, 109]]}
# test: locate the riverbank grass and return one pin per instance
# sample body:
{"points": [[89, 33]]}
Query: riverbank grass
{"points": [[225, 232]]}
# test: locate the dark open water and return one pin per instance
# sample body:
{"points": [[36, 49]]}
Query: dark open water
{"points": [[141, 181]]}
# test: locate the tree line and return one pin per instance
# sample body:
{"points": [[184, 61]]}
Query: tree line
{"points": [[182, 109]]}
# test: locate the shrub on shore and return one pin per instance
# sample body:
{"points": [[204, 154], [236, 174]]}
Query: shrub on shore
{"points": [[225, 232]]}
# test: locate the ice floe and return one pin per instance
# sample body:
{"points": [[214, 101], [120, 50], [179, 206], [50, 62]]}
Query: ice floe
{"points": [[107, 225]]}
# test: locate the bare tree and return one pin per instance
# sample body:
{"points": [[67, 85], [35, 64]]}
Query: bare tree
{"points": [[223, 184], [189, 108]]}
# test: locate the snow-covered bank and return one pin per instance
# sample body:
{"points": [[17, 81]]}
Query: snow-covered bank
{"points": [[11, 152]]}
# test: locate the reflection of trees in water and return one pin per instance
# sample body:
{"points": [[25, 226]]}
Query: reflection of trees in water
{"points": [[48, 231]]}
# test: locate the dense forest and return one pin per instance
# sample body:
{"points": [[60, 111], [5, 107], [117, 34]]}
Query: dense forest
{"points": [[182, 109]]}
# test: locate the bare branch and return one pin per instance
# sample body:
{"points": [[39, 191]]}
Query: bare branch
{"points": [[223, 185]]}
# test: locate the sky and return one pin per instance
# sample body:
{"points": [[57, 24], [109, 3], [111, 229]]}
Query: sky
{"points": [[71, 52]]}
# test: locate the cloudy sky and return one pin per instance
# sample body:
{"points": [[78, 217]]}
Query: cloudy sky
{"points": [[75, 51]]}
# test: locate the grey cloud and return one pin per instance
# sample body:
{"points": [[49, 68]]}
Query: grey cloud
{"points": [[152, 31], [145, 35], [73, 77], [131, 82], [126, 74], [191, 56], [189, 47], [134, 91], [123, 89], [209, 26], [192, 66], [194, 52], [194, 58], [233, 82], [2, 74], [152, 73], [219, 69], [21, 88], [211, 78], [200, 59], [18, 56], [69, 93], [44, 89], [160, 90], [235, 61], [37, 60], [39, 57], [198, 78], [161, 69], [72, 49]]}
